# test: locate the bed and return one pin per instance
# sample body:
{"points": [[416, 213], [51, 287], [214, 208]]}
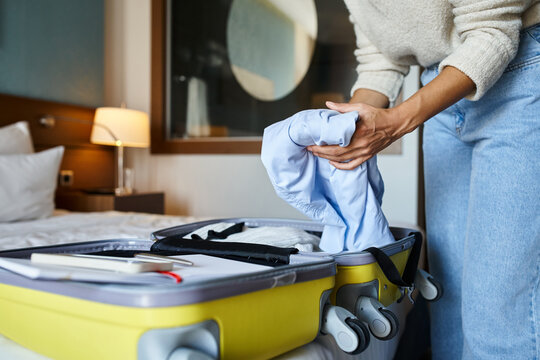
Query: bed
{"points": [[67, 227]]}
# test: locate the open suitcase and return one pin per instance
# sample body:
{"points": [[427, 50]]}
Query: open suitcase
{"points": [[249, 316], [366, 283]]}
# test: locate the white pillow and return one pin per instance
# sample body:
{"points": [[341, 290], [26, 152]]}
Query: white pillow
{"points": [[27, 184], [16, 139]]}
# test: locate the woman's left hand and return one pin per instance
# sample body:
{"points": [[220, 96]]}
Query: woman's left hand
{"points": [[375, 129]]}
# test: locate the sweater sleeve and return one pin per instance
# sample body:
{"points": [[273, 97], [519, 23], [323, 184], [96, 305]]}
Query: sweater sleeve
{"points": [[376, 71], [489, 35]]}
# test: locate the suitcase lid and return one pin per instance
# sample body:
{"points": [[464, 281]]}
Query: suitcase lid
{"points": [[302, 267]]}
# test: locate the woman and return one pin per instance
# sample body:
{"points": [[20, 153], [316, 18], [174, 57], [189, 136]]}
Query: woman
{"points": [[481, 156]]}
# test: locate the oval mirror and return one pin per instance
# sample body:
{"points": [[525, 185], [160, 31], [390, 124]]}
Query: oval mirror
{"points": [[270, 44]]}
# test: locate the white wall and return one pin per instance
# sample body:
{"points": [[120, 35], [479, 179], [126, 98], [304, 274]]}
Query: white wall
{"points": [[400, 172], [216, 185]]}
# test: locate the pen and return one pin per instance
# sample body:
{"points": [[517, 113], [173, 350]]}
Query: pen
{"points": [[164, 258]]}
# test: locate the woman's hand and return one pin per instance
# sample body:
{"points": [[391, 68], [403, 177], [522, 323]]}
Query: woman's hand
{"points": [[375, 129]]}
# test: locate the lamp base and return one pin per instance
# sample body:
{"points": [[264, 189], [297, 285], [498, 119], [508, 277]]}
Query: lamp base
{"points": [[123, 184], [123, 191]]}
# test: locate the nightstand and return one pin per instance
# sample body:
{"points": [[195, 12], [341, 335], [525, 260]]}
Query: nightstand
{"points": [[139, 202]]}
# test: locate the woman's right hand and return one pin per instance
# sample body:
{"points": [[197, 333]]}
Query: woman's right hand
{"points": [[376, 129]]}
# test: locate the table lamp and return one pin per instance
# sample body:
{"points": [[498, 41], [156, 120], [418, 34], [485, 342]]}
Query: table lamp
{"points": [[120, 127]]}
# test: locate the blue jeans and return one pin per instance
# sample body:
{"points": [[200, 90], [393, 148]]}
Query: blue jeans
{"points": [[482, 180]]}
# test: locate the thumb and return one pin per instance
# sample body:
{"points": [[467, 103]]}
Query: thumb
{"points": [[341, 107], [347, 107]]}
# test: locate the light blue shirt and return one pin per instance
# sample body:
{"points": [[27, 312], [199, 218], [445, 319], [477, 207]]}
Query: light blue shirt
{"points": [[347, 202]]}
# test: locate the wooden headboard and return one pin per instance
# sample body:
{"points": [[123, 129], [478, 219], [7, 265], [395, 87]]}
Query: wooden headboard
{"points": [[92, 165]]}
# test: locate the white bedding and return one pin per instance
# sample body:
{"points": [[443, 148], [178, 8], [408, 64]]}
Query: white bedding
{"points": [[66, 227]]}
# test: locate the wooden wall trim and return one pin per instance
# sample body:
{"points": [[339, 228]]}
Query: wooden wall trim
{"points": [[157, 118], [93, 165], [17, 108]]}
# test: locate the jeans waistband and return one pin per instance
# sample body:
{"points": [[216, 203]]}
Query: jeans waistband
{"points": [[530, 28], [433, 67]]}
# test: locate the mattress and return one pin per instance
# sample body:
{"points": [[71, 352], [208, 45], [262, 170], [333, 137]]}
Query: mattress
{"points": [[67, 227]]}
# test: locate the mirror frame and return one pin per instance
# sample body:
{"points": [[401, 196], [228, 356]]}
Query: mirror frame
{"points": [[160, 144]]}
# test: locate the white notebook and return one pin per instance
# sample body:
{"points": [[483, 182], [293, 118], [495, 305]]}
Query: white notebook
{"points": [[55, 272]]}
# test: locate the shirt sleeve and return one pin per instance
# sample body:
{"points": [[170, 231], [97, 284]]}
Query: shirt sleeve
{"points": [[489, 35], [376, 71]]}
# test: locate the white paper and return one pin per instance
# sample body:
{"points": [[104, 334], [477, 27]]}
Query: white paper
{"points": [[211, 266]]}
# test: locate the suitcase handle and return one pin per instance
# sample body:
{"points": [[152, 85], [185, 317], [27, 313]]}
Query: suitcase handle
{"points": [[391, 272]]}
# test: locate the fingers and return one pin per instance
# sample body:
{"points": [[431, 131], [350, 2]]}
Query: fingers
{"points": [[362, 138], [344, 154], [359, 147], [356, 157], [328, 150], [345, 157], [351, 165]]}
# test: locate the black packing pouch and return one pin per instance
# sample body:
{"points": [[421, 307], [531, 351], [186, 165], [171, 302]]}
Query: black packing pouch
{"points": [[263, 254]]}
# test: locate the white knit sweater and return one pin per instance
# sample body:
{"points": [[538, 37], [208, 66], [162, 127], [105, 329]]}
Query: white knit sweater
{"points": [[479, 37]]}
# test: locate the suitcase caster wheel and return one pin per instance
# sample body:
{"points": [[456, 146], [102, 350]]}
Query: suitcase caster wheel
{"points": [[362, 332], [349, 333], [382, 323], [188, 354], [430, 288], [394, 324]]}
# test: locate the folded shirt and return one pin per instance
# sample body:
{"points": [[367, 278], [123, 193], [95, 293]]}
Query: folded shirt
{"points": [[347, 202], [281, 236]]}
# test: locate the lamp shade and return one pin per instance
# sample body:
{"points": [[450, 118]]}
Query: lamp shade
{"points": [[130, 127]]}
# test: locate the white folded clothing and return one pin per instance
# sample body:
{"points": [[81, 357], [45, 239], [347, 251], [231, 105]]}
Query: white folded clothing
{"points": [[283, 236]]}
